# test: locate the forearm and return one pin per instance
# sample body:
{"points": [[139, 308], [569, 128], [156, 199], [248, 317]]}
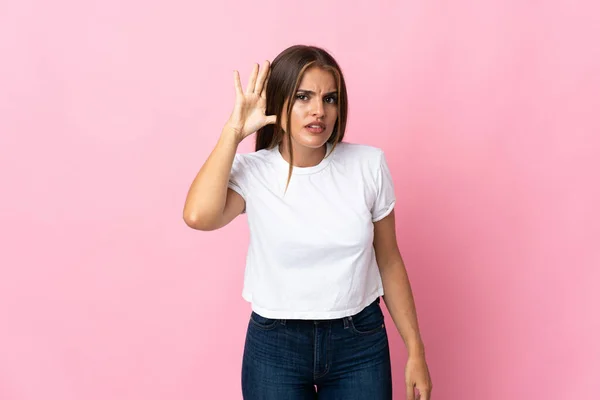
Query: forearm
{"points": [[400, 303], [208, 192]]}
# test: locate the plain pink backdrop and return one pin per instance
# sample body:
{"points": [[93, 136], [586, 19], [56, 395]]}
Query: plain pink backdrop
{"points": [[489, 115]]}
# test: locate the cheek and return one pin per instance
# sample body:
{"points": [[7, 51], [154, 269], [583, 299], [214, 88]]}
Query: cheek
{"points": [[294, 114], [298, 113], [296, 118], [332, 114]]}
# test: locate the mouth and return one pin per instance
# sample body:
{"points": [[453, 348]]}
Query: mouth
{"points": [[316, 127]]}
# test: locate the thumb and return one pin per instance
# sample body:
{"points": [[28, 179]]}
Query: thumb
{"points": [[271, 119]]}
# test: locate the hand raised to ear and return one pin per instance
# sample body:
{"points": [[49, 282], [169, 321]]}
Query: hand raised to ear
{"points": [[248, 114]]}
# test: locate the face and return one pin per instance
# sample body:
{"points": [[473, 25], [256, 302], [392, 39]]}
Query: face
{"points": [[315, 110]]}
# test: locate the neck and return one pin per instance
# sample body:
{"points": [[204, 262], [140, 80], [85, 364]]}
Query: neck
{"points": [[303, 156]]}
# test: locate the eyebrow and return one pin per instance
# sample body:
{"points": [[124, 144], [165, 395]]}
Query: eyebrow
{"points": [[311, 92]]}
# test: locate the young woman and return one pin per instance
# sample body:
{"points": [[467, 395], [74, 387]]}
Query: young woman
{"points": [[322, 238]]}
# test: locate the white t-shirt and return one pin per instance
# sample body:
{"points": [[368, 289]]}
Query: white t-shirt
{"points": [[311, 252]]}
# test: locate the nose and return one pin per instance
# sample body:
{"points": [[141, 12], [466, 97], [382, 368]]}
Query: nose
{"points": [[318, 110]]}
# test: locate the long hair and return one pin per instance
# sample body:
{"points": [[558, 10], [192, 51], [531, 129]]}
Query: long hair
{"points": [[286, 73]]}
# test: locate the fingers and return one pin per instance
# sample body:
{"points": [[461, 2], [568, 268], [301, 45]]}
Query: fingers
{"points": [[410, 392], [262, 78], [263, 94], [252, 81], [424, 394], [271, 119], [237, 83], [257, 83]]}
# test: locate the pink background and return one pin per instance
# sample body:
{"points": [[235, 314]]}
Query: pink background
{"points": [[489, 115]]}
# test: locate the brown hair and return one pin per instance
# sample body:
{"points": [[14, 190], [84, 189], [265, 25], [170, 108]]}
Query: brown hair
{"points": [[286, 73]]}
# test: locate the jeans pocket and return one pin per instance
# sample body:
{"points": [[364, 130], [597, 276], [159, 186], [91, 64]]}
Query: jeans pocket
{"points": [[368, 321], [262, 322]]}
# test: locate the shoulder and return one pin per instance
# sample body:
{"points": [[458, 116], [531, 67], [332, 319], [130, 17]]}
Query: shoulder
{"points": [[358, 150], [367, 156], [254, 159]]}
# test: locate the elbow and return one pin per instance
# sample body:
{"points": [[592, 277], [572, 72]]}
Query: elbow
{"points": [[198, 222]]}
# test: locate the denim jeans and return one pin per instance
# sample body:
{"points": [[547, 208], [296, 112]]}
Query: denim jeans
{"points": [[346, 358]]}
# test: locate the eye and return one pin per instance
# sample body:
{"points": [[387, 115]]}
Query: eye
{"points": [[331, 99], [301, 96]]}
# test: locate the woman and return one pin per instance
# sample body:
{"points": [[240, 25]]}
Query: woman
{"points": [[322, 238]]}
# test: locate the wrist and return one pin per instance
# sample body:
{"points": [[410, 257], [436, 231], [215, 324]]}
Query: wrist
{"points": [[231, 134], [416, 349]]}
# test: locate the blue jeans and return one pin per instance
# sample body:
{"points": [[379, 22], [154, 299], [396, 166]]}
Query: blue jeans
{"points": [[346, 358]]}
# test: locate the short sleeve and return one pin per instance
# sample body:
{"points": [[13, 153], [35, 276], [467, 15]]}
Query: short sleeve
{"points": [[237, 179], [385, 198]]}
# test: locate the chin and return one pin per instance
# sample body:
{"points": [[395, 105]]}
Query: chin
{"points": [[312, 141]]}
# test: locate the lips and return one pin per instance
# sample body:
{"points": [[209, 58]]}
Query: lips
{"points": [[315, 127]]}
